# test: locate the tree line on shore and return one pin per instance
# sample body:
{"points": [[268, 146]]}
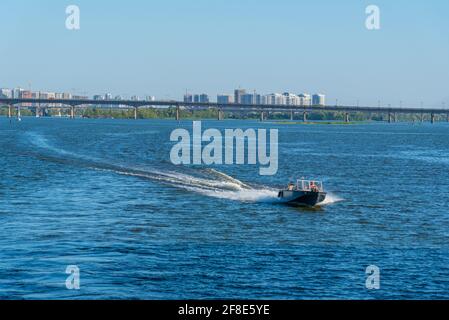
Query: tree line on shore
{"points": [[170, 113]]}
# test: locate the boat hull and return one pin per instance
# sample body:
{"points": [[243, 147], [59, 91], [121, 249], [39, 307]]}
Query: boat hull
{"points": [[302, 198]]}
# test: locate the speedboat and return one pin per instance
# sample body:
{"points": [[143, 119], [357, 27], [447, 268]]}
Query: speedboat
{"points": [[303, 193]]}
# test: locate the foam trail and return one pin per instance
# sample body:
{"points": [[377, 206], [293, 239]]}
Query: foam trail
{"points": [[42, 142], [330, 199], [209, 188], [229, 178], [249, 195], [220, 186]]}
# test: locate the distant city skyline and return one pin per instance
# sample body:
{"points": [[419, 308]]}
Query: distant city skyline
{"points": [[241, 96], [165, 48]]}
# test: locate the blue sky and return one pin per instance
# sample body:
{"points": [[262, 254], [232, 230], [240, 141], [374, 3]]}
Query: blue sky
{"points": [[163, 47]]}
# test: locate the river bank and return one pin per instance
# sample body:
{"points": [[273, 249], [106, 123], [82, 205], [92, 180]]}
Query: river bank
{"points": [[324, 117]]}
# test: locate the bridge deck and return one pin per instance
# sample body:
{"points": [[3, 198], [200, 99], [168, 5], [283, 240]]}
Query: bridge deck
{"points": [[225, 107]]}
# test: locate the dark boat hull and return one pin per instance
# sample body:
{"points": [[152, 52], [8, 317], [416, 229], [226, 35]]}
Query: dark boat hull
{"points": [[302, 198]]}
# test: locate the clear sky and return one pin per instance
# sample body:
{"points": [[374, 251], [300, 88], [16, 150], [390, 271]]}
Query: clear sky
{"points": [[163, 47]]}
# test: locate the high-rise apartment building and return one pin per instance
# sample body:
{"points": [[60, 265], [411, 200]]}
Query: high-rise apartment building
{"points": [[251, 98], [238, 93], [319, 99], [225, 98], [188, 98], [273, 99], [305, 99], [6, 93], [204, 98]]}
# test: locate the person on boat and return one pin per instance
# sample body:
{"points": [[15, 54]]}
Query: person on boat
{"points": [[314, 187], [291, 187]]}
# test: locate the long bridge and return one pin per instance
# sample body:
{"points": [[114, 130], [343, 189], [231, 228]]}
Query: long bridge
{"points": [[73, 104]]}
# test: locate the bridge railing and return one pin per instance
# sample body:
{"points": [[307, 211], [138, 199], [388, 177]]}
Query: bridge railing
{"points": [[242, 107]]}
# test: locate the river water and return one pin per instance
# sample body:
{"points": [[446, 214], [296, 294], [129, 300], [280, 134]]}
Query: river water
{"points": [[104, 196]]}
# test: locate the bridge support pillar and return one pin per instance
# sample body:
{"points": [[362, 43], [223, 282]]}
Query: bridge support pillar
{"points": [[304, 116], [262, 116], [432, 118], [220, 115], [178, 114], [136, 110], [292, 115], [72, 112], [347, 117], [395, 118], [9, 111], [38, 112], [19, 113]]}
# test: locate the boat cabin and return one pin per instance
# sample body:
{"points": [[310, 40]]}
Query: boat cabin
{"points": [[307, 186]]}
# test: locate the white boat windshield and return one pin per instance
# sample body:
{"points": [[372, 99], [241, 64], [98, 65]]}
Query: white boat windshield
{"points": [[308, 185]]}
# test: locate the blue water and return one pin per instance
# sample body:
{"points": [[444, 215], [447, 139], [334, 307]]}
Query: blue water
{"points": [[103, 195]]}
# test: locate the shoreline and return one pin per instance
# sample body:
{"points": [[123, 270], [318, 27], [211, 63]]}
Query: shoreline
{"points": [[324, 118], [273, 122]]}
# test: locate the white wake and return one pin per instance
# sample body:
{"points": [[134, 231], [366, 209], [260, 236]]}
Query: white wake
{"points": [[208, 182]]}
